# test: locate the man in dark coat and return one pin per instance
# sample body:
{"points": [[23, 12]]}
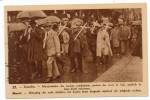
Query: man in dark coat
{"points": [[124, 36], [91, 39], [76, 49], [35, 49], [137, 51]]}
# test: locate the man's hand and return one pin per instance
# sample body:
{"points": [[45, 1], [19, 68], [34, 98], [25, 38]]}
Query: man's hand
{"points": [[20, 46], [128, 37], [58, 54]]}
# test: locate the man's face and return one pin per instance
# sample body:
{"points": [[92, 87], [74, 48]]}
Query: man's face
{"points": [[76, 29], [47, 28]]}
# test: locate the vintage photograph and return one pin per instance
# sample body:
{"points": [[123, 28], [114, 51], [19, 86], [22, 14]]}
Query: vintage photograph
{"points": [[73, 46], [76, 50]]}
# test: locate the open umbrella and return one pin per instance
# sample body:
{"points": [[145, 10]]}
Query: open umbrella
{"points": [[16, 27], [31, 14], [23, 14], [52, 19]]}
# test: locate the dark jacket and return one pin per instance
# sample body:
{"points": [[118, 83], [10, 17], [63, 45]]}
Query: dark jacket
{"points": [[124, 33], [78, 45], [35, 45]]}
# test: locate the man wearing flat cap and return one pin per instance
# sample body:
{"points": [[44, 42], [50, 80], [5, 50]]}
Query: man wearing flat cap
{"points": [[52, 48], [76, 45]]}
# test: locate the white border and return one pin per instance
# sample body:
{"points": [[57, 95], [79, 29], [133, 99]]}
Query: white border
{"points": [[42, 2]]}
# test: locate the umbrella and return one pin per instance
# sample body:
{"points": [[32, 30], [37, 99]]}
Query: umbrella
{"points": [[76, 22], [52, 19], [24, 14], [16, 27], [31, 14]]}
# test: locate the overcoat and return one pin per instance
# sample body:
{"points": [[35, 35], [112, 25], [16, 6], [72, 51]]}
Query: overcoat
{"points": [[52, 45], [124, 33], [103, 44], [114, 37], [34, 45], [79, 45]]}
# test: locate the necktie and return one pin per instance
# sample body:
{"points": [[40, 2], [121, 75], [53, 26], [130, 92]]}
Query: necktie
{"points": [[44, 41]]}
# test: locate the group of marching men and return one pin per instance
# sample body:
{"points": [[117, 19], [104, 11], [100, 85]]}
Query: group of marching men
{"points": [[48, 42]]}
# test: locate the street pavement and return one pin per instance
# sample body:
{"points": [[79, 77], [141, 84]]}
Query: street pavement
{"points": [[127, 69], [120, 69], [91, 71]]}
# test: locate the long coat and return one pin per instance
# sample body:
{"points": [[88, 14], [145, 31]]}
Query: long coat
{"points": [[34, 45], [103, 44], [52, 43], [138, 45], [114, 37]]}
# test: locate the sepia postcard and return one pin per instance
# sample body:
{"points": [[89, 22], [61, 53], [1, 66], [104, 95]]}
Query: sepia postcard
{"points": [[83, 50]]}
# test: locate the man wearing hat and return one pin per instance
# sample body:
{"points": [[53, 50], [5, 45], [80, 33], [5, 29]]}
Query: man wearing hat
{"points": [[75, 47], [64, 35], [91, 36], [114, 38], [52, 48], [35, 50], [124, 36], [103, 49]]}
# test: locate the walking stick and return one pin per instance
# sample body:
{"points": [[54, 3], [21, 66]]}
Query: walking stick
{"points": [[80, 31]]}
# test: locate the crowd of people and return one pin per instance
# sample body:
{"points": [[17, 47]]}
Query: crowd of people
{"points": [[44, 42]]}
